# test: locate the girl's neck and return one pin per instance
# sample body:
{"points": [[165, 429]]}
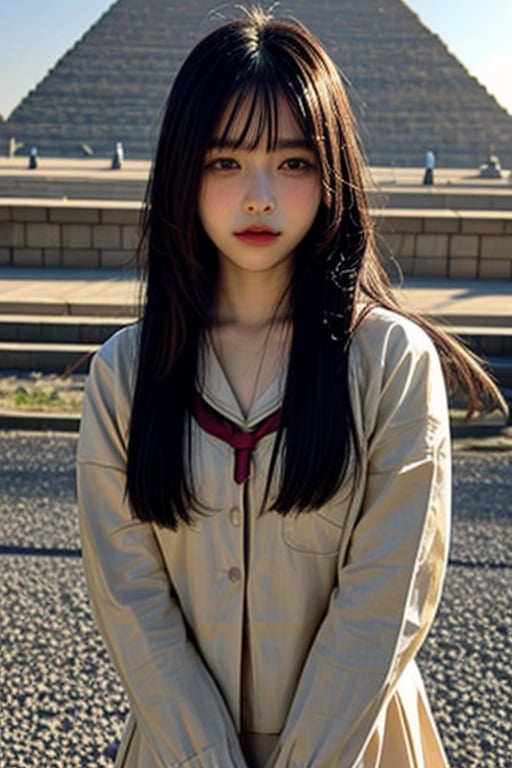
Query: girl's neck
{"points": [[250, 332], [251, 300]]}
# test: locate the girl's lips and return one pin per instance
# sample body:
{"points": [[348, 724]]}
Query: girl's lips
{"points": [[257, 235]]}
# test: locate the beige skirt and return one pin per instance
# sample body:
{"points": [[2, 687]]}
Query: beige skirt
{"points": [[404, 736]]}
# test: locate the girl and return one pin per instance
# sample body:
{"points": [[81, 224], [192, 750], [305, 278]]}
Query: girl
{"points": [[263, 465]]}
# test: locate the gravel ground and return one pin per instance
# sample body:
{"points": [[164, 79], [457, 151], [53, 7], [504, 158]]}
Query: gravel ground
{"points": [[61, 702]]}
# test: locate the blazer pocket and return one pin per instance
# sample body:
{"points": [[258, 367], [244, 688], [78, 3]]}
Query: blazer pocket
{"points": [[312, 533]]}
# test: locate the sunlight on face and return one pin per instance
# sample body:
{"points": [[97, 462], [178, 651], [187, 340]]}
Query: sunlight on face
{"points": [[259, 193]]}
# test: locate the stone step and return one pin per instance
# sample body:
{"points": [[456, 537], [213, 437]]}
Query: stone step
{"points": [[46, 186], [85, 311], [63, 358], [501, 368], [466, 324], [75, 309], [393, 193], [26, 329], [483, 338], [46, 358], [496, 342], [440, 198]]}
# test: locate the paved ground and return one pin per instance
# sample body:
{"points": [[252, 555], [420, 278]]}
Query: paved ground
{"points": [[61, 701], [79, 292]]}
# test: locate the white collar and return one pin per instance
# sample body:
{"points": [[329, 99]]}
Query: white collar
{"points": [[214, 386]]}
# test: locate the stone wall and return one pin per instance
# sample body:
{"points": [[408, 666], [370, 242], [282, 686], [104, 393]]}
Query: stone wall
{"points": [[459, 244], [81, 234]]}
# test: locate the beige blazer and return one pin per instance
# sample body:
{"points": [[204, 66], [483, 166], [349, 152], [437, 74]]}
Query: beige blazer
{"points": [[300, 632]]}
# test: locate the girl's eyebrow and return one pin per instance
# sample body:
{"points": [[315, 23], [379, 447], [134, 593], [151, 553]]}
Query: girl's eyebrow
{"points": [[280, 144]]}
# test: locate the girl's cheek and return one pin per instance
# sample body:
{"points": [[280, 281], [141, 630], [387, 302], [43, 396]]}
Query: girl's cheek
{"points": [[220, 191]]}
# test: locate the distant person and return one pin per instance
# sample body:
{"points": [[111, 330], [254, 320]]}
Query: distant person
{"points": [[118, 158], [491, 169], [430, 164], [264, 460], [14, 145], [32, 158]]}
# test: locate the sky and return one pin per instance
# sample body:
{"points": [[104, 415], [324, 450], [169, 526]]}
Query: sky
{"points": [[34, 34]]}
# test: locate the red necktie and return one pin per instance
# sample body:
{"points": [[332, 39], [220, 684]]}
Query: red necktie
{"points": [[243, 442]]}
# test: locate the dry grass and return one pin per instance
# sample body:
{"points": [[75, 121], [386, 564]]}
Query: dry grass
{"points": [[50, 393], [46, 393]]}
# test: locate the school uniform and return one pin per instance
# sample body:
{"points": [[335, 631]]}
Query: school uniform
{"points": [[296, 634]]}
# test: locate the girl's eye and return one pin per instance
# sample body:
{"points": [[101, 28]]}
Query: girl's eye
{"points": [[296, 164], [223, 164]]}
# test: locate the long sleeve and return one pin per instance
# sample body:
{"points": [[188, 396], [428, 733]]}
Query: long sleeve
{"points": [[390, 581], [176, 704]]}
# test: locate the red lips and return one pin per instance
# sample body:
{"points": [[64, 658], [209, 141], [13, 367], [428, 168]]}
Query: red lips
{"points": [[257, 234]]}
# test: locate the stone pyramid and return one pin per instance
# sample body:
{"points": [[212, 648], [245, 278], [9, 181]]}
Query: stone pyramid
{"points": [[409, 92]]}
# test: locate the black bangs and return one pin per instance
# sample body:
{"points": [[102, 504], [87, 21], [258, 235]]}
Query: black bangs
{"points": [[260, 104]]}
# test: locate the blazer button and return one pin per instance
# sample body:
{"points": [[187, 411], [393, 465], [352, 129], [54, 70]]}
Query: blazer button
{"points": [[234, 574], [235, 516]]}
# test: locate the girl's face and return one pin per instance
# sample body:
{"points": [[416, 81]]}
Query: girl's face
{"points": [[256, 204]]}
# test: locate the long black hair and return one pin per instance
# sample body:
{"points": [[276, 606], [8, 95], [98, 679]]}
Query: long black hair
{"points": [[257, 60]]}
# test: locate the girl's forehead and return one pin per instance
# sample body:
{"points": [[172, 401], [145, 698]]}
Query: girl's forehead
{"points": [[254, 120]]}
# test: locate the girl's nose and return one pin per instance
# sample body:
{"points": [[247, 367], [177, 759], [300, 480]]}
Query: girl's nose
{"points": [[259, 199]]}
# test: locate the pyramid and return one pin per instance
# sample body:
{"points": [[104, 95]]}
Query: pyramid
{"points": [[408, 91]]}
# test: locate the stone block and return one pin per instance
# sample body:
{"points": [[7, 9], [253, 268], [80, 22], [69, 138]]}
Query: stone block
{"points": [[448, 222], [38, 213], [399, 245], [12, 234], [27, 257], [76, 236], [127, 216], [429, 267], [76, 257], [432, 246], [495, 269], [118, 259], [130, 237], [406, 264], [401, 224], [43, 235], [106, 236], [466, 200], [481, 226], [75, 215], [407, 247], [464, 245], [52, 257], [388, 243], [463, 268], [496, 247]]}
